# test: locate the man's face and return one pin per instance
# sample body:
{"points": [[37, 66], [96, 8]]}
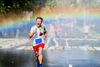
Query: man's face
{"points": [[38, 22]]}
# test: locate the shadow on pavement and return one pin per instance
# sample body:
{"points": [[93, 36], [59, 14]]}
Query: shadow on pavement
{"points": [[19, 58]]}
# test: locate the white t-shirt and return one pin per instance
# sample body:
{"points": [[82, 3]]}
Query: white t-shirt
{"points": [[37, 38]]}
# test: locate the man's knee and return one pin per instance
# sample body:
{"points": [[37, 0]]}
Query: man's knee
{"points": [[36, 54], [40, 51]]}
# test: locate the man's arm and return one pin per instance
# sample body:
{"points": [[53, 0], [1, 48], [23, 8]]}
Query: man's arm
{"points": [[31, 35], [45, 33], [32, 32]]}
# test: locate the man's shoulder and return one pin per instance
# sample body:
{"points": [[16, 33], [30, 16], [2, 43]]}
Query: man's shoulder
{"points": [[34, 26]]}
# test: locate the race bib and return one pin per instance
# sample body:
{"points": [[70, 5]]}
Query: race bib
{"points": [[38, 41]]}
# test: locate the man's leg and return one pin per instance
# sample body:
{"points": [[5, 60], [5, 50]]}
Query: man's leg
{"points": [[36, 53], [40, 56]]}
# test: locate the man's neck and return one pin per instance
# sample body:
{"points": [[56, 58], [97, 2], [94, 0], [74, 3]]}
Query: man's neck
{"points": [[39, 26]]}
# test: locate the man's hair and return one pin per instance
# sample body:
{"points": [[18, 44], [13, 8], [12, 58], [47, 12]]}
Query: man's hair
{"points": [[39, 18]]}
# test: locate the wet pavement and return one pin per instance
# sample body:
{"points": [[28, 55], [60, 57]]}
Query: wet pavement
{"points": [[19, 53], [71, 57]]}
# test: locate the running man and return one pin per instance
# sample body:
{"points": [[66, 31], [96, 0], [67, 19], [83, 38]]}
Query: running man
{"points": [[38, 33]]}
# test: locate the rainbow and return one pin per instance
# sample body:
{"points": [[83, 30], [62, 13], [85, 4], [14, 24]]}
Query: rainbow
{"points": [[11, 23], [92, 15]]}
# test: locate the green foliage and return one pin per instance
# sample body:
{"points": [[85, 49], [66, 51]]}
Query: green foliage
{"points": [[2, 7], [9, 5], [51, 3]]}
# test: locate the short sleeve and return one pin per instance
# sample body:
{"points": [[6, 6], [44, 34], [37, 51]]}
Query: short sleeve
{"points": [[44, 28], [33, 29]]}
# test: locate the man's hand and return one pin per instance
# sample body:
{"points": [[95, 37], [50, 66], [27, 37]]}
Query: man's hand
{"points": [[30, 35], [44, 37]]}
